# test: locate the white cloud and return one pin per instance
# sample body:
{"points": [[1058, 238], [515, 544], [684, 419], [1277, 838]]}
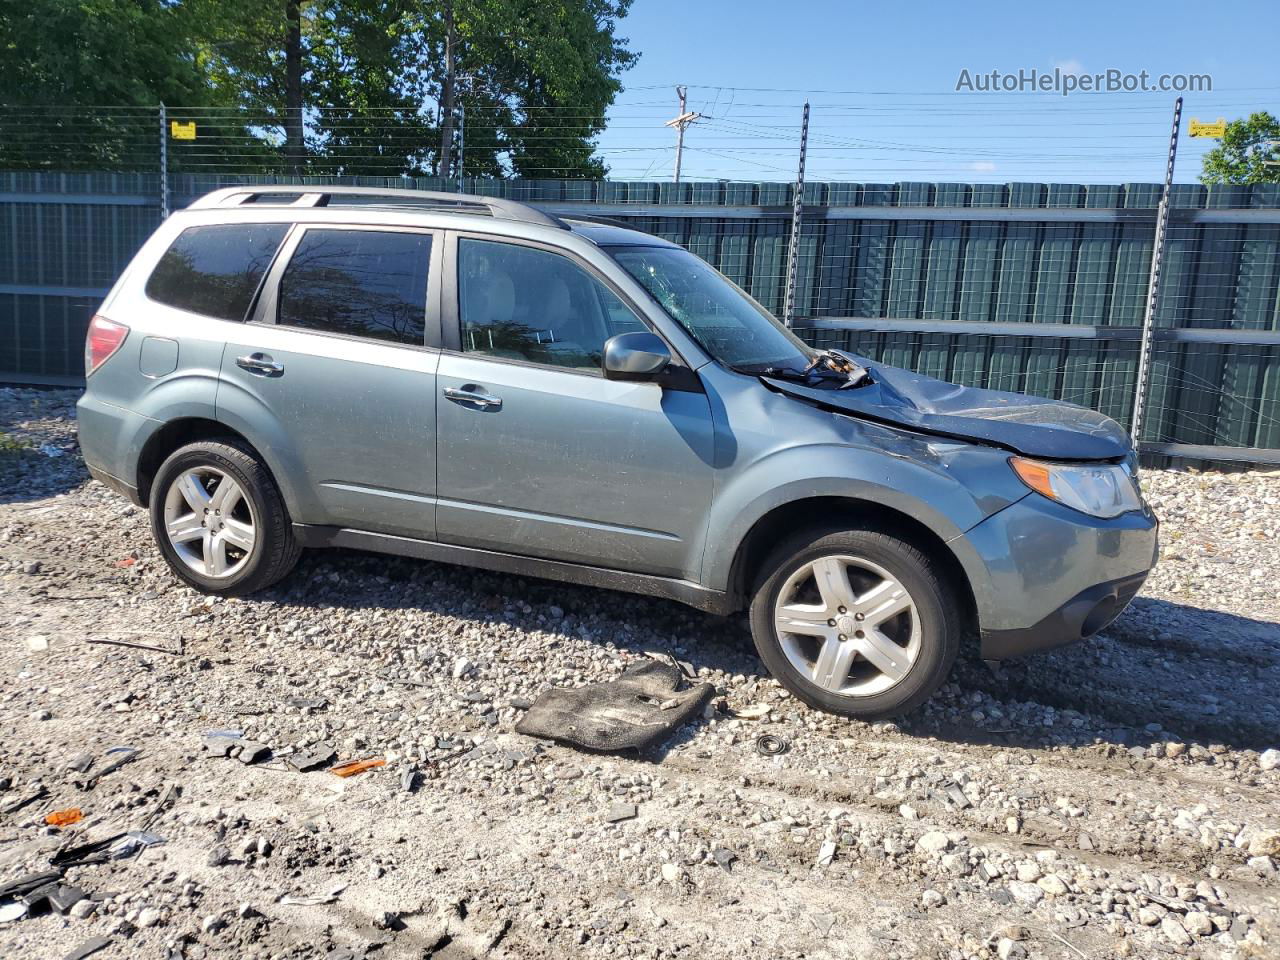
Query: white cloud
{"points": [[982, 166], [1071, 66]]}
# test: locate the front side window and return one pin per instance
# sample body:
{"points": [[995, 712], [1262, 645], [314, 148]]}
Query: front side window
{"points": [[522, 303], [716, 312], [363, 283], [216, 270]]}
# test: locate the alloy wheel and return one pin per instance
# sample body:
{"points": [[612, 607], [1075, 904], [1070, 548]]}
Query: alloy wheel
{"points": [[847, 625], [209, 521]]}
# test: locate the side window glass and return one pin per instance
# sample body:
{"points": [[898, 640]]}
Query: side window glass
{"points": [[364, 283], [215, 270], [527, 304]]}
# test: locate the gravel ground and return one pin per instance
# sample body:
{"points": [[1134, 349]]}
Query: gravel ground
{"points": [[1117, 798]]}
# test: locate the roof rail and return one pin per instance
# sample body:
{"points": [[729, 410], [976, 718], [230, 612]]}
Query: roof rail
{"points": [[318, 196]]}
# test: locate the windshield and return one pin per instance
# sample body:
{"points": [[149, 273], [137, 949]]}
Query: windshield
{"points": [[715, 311]]}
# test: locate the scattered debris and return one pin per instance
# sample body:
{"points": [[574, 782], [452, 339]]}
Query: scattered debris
{"points": [[88, 948], [95, 851], [14, 910], [134, 841], [64, 818], [754, 711], [120, 756], [317, 755], [619, 812], [826, 853], [329, 897], [80, 763], [139, 646], [617, 715], [352, 767], [38, 643], [24, 800], [724, 858], [409, 779], [771, 745]]}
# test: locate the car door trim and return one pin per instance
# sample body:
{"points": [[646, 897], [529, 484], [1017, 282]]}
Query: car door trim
{"points": [[555, 518]]}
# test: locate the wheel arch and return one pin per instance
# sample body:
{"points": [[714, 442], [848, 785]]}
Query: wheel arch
{"points": [[824, 514], [178, 433]]}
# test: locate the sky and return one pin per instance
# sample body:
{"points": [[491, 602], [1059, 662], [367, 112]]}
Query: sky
{"points": [[881, 81]]}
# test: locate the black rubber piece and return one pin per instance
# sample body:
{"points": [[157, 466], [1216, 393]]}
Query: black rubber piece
{"points": [[939, 612], [276, 549]]}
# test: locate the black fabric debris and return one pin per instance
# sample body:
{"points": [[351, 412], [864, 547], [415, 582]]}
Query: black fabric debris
{"points": [[639, 709]]}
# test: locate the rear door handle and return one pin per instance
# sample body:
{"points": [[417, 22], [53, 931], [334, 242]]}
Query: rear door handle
{"points": [[260, 363], [481, 400]]}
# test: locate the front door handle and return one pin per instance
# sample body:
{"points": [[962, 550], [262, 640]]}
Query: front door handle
{"points": [[260, 363], [482, 400]]}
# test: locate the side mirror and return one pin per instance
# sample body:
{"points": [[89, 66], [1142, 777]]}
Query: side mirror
{"points": [[635, 356]]}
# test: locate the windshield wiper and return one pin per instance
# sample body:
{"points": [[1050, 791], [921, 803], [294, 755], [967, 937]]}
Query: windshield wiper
{"points": [[825, 365]]}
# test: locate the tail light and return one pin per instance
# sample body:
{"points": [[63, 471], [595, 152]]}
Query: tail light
{"points": [[104, 338]]}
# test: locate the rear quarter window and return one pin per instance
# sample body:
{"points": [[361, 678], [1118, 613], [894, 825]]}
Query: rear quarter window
{"points": [[216, 270]]}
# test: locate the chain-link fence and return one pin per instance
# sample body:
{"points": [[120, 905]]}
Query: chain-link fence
{"points": [[1035, 287]]}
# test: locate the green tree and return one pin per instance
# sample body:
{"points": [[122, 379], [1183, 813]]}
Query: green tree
{"points": [[80, 80], [1249, 152]]}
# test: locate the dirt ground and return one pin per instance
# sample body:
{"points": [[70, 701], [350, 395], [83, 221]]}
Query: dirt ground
{"points": [[1114, 799]]}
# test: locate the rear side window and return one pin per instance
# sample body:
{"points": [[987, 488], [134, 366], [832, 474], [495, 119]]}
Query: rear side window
{"points": [[364, 283], [216, 270]]}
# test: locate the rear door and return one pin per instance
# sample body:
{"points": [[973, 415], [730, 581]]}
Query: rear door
{"points": [[335, 371], [537, 453]]}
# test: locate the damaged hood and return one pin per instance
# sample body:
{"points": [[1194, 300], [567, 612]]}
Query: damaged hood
{"points": [[1032, 426]]}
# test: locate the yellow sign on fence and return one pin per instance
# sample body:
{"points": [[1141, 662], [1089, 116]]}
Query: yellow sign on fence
{"points": [[1216, 129], [187, 131]]}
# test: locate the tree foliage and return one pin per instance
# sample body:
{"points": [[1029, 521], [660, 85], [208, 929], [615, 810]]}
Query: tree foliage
{"points": [[1248, 153], [532, 77]]}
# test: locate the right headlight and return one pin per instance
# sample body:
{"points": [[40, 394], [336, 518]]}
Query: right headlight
{"points": [[1100, 490]]}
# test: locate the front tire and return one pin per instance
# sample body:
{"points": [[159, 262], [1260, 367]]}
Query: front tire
{"points": [[219, 519], [856, 622]]}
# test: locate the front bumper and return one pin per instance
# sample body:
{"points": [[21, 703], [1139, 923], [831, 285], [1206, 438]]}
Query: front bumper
{"points": [[1044, 575]]}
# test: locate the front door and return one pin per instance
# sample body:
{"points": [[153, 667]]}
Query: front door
{"points": [[336, 382], [537, 453]]}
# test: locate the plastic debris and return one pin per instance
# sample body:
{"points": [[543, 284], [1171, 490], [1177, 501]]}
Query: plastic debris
{"points": [[80, 763], [64, 818], [25, 884], [17, 803], [95, 851], [826, 853], [754, 711], [12, 911], [135, 841], [88, 947], [329, 897], [317, 755], [409, 779], [63, 897], [119, 757], [352, 767]]}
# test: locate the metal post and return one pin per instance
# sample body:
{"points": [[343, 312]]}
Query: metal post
{"points": [[680, 125], [1153, 282], [797, 209], [164, 163]]}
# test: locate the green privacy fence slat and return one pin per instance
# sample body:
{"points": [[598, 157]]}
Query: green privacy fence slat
{"points": [[1216, 274]]}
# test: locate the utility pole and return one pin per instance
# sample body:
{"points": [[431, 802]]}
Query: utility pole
{"points": [[797, 210], [1153, 283], [681, 122]]}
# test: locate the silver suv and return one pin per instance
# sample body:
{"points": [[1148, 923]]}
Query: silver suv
{"points": [[475, 381]]}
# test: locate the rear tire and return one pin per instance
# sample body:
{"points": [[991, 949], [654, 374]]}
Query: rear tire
{"points": [[219, 519], [855, 622]]}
